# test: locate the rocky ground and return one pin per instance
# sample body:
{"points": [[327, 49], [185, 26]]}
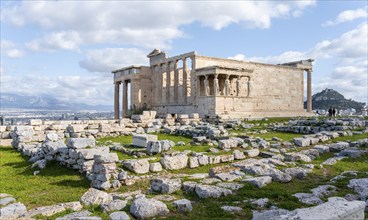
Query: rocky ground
{"points": [[298, 169]]}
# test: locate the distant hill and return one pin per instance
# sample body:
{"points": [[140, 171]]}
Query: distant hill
{"points": [[330, 97], [8, 100]]}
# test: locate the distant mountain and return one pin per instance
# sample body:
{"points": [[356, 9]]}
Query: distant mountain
{"points": [[330, 97], [8, 100]]}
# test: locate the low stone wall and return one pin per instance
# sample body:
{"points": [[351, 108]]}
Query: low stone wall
{"points": [[80, 154], [315, 125], [145, 123]]}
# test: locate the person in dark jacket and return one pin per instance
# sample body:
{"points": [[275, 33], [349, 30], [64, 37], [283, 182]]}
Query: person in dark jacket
{"points": [[330, 112]]}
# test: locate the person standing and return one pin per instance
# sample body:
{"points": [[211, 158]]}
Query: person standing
{"points": [[334, 112], [330, 112]]}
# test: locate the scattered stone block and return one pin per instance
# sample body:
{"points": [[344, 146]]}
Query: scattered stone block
{"points": [[95, 197], [183, 205], [141, 140], [259, 182], [114, 205], [45, 211], [77, 143], [165, 186], [143, 208], [12, 211], [6, 201], [231, 208], [207, 191], [176, 162], [252, 152], [137, 166], [119, 216], [302, 142], [155, 167]]}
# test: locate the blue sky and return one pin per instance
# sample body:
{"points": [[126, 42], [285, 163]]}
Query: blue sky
{"points": [[67, 49]]}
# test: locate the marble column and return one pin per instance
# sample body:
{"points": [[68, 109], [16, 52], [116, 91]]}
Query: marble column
{"points": [[125, 98], [176, 82], [185, 80], [116, 100], [309, 90], [168, 82]]}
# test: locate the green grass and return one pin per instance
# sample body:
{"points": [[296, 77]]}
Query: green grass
{"points": [[128, 139], [355, 137], [280, 194], [201, 148], [283, 135], [54, 184], [270, 120], [175, 138]]}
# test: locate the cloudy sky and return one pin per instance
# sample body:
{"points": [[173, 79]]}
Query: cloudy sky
{"points": [[67, 49]]}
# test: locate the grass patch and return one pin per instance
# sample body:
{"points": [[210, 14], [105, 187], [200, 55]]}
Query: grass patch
{"points": [[54, 184], [201, 148], [128, 139], [270, 120], [280, 194], [283, 135], [175, 138], [355, 137]]}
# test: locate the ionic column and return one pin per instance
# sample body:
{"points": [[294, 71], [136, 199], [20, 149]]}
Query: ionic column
{"points": [[176, 82], [125, 98], [168, 82], [116, 100], [309, 90], [185, 78]]}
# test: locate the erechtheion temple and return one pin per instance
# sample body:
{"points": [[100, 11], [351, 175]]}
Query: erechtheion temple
{"points": [[213, 87]]}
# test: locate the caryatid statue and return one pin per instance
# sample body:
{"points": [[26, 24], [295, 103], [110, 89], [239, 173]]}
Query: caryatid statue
{"points": [[227, 87], [249, 87], [206, 86], [216, 85], [238, 86]]}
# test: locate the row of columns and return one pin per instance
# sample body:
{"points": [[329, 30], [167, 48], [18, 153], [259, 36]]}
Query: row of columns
{"points": [[158, 87], [227, 86], [124, 99]]}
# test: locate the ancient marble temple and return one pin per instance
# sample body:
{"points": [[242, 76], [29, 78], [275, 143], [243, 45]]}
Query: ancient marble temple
{"points": [[213, 87]]}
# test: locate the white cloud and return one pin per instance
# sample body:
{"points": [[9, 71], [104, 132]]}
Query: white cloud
{"points": [[75, 89], [106, 60], [57, 40], [141, 23], [9, 49], [351, 44], [351, 62], [348, 15], [282, 58], [6, 44], [351, 81], [15, 53]]}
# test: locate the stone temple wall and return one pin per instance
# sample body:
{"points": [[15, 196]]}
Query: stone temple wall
{"points": [[255, 90]]}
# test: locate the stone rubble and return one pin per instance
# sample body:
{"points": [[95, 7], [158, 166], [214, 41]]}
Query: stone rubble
{"points": [[259, 162]]}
